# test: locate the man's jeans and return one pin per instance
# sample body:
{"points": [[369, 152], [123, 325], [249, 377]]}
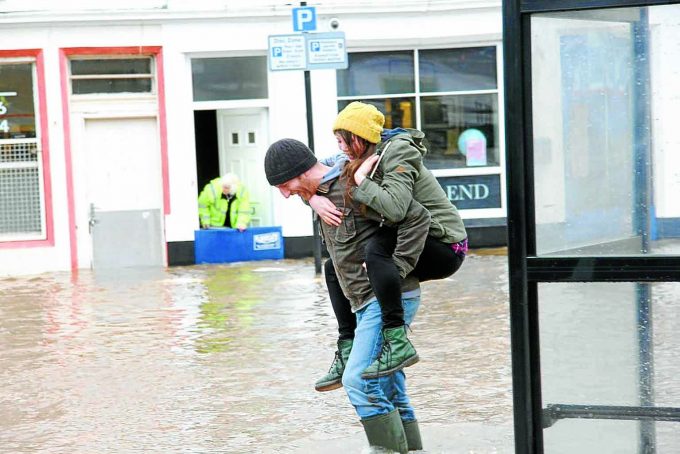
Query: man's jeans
{"points": [[376, 396]]}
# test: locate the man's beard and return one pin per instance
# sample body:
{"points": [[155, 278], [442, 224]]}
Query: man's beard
{"points": [[308, 188]]}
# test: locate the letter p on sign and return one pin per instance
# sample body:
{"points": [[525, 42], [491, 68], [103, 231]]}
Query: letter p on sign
{"points": [[304, 19]]}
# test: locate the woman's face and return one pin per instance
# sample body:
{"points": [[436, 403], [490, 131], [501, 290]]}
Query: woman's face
{"points": [[352, 150]]}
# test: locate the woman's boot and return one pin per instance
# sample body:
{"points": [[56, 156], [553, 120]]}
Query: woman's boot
{"points": [[397, 352], [333, 379]]}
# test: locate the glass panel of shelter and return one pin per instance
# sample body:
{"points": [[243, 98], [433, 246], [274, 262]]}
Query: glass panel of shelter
{"points": [[606, 356], [603, 187], [593, 155]]}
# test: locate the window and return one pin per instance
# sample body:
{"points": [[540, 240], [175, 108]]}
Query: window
{"points": [[111, 75], [449, 94], [377, 73], [17, 110], [21, 200], [226, 79]]}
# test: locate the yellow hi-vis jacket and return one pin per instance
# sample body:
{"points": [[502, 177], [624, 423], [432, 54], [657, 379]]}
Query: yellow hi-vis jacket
{"points": [[212, 207]]}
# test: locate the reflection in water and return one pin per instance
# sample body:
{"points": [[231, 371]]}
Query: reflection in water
{"points": [[223, 359]]}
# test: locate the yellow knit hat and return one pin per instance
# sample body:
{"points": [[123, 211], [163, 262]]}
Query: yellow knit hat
{"points": [[361, 119]]}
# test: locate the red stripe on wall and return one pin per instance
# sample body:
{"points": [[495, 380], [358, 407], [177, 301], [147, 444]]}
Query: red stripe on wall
{"points": [[162, 122], [68, 158]]}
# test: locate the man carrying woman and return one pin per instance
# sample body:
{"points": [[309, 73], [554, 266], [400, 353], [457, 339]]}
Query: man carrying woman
{"points": [[381, 403], [386, 173]]}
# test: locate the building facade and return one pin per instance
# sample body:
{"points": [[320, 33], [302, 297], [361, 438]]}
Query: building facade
{"points": [[112, 120]]}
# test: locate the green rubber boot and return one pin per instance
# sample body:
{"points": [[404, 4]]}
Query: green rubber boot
{"points": [[386, 431], [412, 432], [333, 379], [397, 352]]}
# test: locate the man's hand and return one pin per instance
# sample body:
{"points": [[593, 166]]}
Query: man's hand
{"points": [[365, 168], [326, 210], [241, 227]]}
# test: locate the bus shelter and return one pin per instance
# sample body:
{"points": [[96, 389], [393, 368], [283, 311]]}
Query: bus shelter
{"points": [[592, 101]]}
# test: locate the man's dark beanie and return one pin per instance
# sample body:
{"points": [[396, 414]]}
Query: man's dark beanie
{"points": [[287, 159]]}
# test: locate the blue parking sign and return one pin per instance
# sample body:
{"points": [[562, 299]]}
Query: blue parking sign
{"points": [[304, 19]]}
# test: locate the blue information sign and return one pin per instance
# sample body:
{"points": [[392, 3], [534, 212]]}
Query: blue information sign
{"points": [[307, 51]]}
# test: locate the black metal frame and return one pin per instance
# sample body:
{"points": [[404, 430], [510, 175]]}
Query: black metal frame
{"points": [[527, 270], [554, 413]]}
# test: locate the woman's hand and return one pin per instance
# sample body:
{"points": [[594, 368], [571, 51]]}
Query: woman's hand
{"points": [[365, 168], [326, 210]]}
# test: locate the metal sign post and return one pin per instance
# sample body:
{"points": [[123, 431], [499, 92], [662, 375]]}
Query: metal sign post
{"points": [[307, 51], [310, 140]]}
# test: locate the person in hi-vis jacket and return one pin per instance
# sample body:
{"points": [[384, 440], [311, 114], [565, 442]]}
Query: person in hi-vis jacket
{"points": [[224, 202]]}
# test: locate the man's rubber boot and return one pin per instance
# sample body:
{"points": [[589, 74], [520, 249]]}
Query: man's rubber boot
{"points": [[397, 352], [386, 431], [333, 379], [412, 432]]}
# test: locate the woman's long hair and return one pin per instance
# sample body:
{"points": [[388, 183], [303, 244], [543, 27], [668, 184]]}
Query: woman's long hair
{"points": [[365, 149]]}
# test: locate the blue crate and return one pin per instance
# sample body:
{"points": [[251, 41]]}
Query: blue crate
{"points": [[229, 245]]}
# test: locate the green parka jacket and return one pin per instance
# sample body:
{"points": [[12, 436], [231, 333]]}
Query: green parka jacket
{"points": [[346, 243], [401, 176]]}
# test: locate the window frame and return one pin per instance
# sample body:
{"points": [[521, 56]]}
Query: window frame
{"points": [[495, 170], [226, 103], [41, 141], [151, 75]]}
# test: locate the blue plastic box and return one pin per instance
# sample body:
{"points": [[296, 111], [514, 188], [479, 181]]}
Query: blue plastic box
{"points": [[229, 245]]}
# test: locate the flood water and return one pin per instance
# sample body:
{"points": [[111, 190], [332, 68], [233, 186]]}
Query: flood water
{"points": [[223, 358]]}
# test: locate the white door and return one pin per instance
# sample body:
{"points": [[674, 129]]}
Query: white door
{"points": [[243, 143], [120, 199]]}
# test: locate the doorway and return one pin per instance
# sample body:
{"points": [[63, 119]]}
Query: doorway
{"points": [[119, 202], [235, 141]]}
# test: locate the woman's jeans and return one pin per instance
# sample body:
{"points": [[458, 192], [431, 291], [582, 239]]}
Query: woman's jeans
{"points": [[376, 396]]}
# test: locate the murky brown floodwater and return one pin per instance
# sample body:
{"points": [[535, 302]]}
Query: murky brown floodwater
{"points": [[216, 359]]}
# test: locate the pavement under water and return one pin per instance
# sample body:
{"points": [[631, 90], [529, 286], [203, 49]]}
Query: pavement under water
{"points": [[223, 359]]}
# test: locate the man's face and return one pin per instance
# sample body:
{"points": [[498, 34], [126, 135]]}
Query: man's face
{"points": [[300, 185], [228, 190]]}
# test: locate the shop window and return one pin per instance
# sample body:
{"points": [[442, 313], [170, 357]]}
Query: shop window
{"points": [[226, 79], [111, 75], [462, 130], [399, 112], [21, 197], [377, 73], [472, 68], [450, 94]]}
